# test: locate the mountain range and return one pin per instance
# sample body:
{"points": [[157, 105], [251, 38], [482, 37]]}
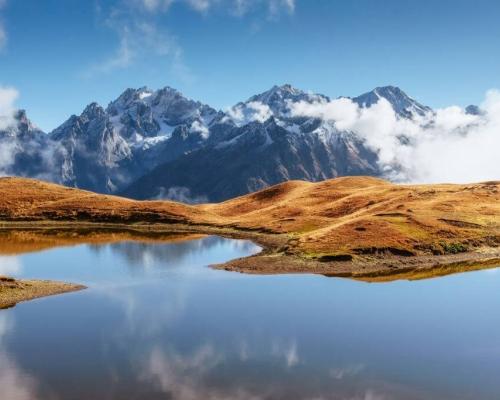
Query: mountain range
{"points": [[159, 144]]}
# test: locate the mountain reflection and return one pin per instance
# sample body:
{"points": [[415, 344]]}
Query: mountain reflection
{"points": [[155, 323], [144, 255]]}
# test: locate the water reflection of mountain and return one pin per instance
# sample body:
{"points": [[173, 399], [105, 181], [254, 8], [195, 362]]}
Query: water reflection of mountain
{"points": [[141, 254]]}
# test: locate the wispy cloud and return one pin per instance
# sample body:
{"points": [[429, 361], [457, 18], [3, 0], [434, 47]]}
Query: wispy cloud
{"points": [[141, 34], [140, 38], [3, 32], [277, 6], [235, 7], [122, 58]]}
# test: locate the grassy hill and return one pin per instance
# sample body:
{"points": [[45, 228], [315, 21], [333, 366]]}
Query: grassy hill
{"points": [[352, 226]]}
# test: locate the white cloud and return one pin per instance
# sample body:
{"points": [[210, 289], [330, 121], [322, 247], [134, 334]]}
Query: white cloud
{"points": [[200, 5], [447, 146], [243, 114], [179, 194], [197, 126], [122, 58], [235, 7], [164, 5], [141, 34], [8, 97], [140, 38], [343, 111]]}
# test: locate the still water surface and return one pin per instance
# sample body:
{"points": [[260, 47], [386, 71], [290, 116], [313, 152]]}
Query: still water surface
{"points": [[156, 323]]}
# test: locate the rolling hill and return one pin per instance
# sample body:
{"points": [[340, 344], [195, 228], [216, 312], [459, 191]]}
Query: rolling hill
{"points": [[351, 226]]}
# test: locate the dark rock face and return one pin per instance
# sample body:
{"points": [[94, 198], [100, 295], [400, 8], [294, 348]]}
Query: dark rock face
{"points": [[258, 155], [473, 110], [149, 144], [105, 150], [91, 150]]}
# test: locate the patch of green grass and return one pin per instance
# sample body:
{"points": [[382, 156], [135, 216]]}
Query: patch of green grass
{"points": [[453, 248]]}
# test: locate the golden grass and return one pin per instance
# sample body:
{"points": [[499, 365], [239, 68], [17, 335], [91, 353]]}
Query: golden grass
{"points": [[359, 216]]}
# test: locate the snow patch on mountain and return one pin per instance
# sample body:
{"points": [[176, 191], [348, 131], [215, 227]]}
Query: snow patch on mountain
{"points": [[143, 113], [402, 104]]}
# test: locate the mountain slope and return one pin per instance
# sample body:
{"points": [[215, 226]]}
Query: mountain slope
{"points": [[263, 144], [256, 156], [105, 149], [92, 150]]}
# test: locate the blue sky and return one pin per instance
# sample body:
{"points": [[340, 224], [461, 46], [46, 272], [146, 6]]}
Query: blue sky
{"points": [[62, 54]]}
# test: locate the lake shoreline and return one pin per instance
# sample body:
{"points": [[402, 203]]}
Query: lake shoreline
{"points": [[278, 255], [14, 291], [353, 227]]}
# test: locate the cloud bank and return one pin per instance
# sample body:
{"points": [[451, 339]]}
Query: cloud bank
{"points": [[448, 145], [8, 97]]}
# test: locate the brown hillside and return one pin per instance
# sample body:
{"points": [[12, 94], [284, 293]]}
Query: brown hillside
{"points": [[364, 215], [355, 219]]}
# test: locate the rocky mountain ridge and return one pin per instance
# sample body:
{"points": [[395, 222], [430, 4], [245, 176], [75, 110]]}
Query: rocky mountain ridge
{"points": [[150, 144]]}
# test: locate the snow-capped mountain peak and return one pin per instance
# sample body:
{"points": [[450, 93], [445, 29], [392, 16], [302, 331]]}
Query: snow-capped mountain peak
{"points": [[274, 102], [161, 134], [278, 97], [130, 96], [402, 104], [277, 93], [93, 111], [144, 113]]}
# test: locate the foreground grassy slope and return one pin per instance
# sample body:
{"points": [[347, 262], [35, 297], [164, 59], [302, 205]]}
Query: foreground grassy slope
{"points": [[332, 226], [362, 215]]}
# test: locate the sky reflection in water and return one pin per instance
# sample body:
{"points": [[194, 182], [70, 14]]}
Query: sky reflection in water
{"points": [[157, 324]]}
